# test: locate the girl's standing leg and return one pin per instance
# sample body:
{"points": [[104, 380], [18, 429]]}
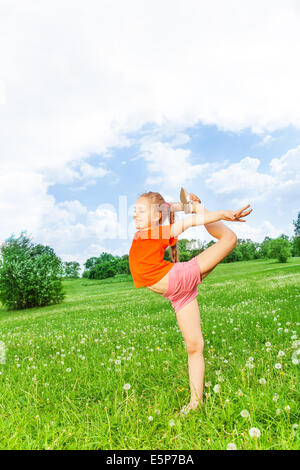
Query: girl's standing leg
{"points": [[188, 319]]}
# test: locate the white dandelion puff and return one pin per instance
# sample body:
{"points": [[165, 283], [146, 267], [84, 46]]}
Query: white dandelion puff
{"points": [[231, 446], [245, 413], [295, 355], [254, 433]]}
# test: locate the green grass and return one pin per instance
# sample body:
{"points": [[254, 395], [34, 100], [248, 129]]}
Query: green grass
{"points": [[60, 387]]}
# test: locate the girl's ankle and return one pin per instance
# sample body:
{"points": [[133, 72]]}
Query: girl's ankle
{"points": [[195, 403]]}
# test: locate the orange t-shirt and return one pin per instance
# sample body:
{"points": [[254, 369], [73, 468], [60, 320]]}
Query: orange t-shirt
{"points": [[146, 255]]}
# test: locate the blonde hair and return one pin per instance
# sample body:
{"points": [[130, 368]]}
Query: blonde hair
{"points": [[165, 211]]}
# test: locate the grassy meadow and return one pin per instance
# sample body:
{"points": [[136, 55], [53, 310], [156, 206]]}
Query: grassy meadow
{"points": [[107, 368]]}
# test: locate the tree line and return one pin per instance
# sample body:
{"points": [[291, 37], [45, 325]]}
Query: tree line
{"points": [[280, 248], [31, 275]]}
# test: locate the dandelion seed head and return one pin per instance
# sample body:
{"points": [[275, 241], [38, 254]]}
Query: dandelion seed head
{"points": [[231, 446], [254, 433], [245, 413]]}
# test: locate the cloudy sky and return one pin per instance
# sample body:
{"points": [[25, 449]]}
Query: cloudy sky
{"points": [[101, 100]]}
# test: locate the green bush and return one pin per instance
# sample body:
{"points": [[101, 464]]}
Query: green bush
{"points": [[30, 275], [280, 249], [296, 246]]}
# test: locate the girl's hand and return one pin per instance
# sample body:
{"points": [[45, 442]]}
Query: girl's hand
{"points": [[193, 197], [235, 216], [194, 202]]}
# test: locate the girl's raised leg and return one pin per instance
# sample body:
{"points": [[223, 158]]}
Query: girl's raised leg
{"points": [[212, 256]]}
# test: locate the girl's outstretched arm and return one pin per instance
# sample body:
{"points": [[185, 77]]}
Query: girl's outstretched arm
{"points": [[204, 217]]}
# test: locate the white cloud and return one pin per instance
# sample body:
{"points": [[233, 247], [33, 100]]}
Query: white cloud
{"points": [[23, 201], [69, 227], [244, 182], [242, 178], [2, 93], [180, 139], [257, 233], [73, 209], [287, 167], [168, 166], [78, 77], [267, 139], [74, 172]]}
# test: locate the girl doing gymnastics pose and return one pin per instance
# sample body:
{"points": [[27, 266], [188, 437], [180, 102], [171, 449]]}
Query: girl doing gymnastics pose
{"points": [[178, 281]]}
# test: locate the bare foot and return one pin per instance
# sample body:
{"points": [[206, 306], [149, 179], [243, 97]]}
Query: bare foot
{"points": [[187, 408]]}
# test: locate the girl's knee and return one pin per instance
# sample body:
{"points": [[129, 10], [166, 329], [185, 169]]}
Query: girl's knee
{"points": [[195, 346]]}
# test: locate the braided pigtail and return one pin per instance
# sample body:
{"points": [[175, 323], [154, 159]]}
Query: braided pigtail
{"points": [[174, 250], [164, 210]]}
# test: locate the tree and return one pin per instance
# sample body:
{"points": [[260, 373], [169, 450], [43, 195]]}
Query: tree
{"points": [[235, 255], [264, 250], [91, 262], [297, 225], [296, 238], [247, 249], [106, 265], [295, 248], [280, 249], [71, 269], [30, 275], [104, 270]]}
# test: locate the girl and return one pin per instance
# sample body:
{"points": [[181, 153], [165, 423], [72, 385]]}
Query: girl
{"points": [[178, 281]]}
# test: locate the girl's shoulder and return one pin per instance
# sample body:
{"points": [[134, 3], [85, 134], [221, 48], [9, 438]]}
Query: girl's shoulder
{"points": [[161, 232]]}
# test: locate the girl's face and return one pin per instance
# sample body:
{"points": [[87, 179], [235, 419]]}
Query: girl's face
{"points": [[142, 214]]}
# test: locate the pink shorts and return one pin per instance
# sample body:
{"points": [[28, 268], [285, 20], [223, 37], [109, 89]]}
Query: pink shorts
{"points": [[184, 278]]}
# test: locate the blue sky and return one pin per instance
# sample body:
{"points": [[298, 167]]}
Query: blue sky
{"points": [[106, 106], [207, 144]]}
